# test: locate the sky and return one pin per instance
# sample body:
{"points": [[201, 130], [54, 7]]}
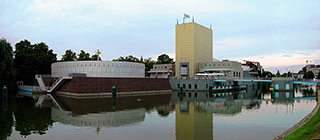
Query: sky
{"points": [[281, 35]]}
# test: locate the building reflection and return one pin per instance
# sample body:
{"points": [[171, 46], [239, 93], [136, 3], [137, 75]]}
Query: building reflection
{"points": [[99, 112], [191, 124]]}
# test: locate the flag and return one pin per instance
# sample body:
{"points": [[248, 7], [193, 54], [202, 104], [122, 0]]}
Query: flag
{"points": [[186, 16]]}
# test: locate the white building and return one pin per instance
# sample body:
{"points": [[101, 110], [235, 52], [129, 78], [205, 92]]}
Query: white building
{"points": [[162, 71], [98, 69], [224, 69]]}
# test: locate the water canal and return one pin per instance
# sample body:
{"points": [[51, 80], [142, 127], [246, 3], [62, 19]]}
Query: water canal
{"points": [[246, 115]]}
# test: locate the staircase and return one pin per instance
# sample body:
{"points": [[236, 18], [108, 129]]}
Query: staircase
{"points": [[41, 83], [58, 83]]}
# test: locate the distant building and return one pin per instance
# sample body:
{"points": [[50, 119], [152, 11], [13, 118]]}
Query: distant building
{"points": [[252, 69], [315, 69], [98, 69], [224, 69], [193, 46], [162, 71]]}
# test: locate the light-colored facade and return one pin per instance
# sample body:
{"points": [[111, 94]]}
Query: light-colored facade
{"points": [[98, 69], [193, 46], [162, 71], [221, 70]]}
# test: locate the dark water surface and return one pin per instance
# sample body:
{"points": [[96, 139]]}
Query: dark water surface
{"points": [[246, 115]]}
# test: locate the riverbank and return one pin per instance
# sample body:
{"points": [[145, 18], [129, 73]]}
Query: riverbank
{"points": [[308, 128]]}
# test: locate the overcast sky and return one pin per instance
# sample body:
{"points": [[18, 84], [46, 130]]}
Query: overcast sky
{"points": [[279, 34]]}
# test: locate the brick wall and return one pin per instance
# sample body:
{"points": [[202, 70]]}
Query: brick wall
{"points": [[103, 85]]}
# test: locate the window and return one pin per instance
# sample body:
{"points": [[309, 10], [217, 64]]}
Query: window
{"points": [[184, 86], [178, 85], [189, 86], [195, 86], [195, 94], [189, 94]]}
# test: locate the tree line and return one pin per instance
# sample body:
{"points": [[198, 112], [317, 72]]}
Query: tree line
{"points": [[27, 59]]}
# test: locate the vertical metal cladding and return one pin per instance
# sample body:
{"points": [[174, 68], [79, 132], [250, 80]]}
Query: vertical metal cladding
{"points": [[98, 69]]}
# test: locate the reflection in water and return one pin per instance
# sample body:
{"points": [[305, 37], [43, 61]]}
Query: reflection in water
{"points": [[191, 124], [197, 116], [29, 119], [6, 120], [102, 119]]}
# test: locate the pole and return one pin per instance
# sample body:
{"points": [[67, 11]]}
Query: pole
{"points": [[114, 97]]}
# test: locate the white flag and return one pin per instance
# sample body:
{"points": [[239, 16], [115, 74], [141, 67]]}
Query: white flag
{"points": [[186, 16]]}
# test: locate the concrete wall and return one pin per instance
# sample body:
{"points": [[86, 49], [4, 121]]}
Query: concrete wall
{"points": [[98, 69], [193, 45], [196, 84]]}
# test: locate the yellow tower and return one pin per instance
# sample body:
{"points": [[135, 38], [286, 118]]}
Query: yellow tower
{"points": [[193, 46]]}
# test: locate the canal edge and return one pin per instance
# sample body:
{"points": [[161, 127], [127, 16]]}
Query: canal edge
{"points": [[302, 122]]}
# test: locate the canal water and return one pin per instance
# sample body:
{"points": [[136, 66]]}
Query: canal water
{"points": [[245, 115]]}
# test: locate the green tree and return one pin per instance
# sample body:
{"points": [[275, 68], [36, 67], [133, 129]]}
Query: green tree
{"points": [[95, 57], [84, 56], [31, 59], [267, 74], [69, 55], [7, 73], [164, 59], [129, 58], [308, 75], [278, 74], [148, 64]]}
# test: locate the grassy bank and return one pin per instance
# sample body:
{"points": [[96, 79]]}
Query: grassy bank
{"points": [[310, 130]]}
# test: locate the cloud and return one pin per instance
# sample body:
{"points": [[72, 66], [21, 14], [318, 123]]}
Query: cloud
{"points": [[282, 60]]}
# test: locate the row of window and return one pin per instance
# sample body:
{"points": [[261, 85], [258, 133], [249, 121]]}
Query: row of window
{"points": [[98, 65], [161, 67], [189, 86], [236, 74], [223, 64]]}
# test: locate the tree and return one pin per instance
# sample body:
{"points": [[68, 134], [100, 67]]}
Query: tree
{"points": [[308, 75], [129, 58], [278, 74], [148, 64], [267, 74], [69, 55], [164, 59], [31, 59], [7, 73], [84, 56], [95, 57]]}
